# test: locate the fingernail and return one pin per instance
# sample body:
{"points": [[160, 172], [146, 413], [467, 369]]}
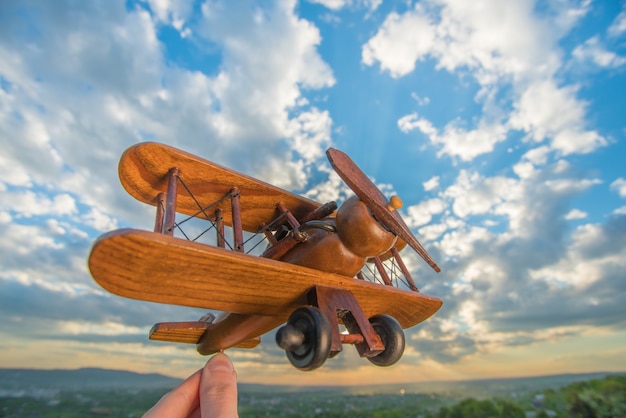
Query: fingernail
{"points": [[220, 363]]}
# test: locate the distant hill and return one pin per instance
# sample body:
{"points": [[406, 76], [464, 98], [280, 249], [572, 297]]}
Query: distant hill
{"points": [[466, 388], [83, 379], [93, 378], [483, 387]]}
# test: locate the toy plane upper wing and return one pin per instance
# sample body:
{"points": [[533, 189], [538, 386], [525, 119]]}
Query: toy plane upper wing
{"points": [[144, 173]]}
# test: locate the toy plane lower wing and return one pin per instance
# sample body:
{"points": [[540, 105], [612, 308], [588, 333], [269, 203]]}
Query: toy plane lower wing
{"points": [[158, 268]]}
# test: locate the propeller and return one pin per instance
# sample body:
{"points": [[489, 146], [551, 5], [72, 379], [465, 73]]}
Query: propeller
{"points": [[384, 210]]}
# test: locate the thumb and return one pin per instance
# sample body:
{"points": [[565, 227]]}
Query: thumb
{"points": [[218, 388]]}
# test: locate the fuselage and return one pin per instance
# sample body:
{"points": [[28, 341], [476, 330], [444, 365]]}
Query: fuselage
{"points": [[343, 243]]}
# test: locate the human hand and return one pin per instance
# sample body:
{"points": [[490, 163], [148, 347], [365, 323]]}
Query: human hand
{"points": [[211, 392]]}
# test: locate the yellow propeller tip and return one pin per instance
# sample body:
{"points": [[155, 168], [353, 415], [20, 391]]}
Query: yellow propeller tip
{"points": [[394, 203]]}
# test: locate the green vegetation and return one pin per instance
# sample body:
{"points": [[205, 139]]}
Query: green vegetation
{"points": [[598, 398], [75, 404], [472, 408]]}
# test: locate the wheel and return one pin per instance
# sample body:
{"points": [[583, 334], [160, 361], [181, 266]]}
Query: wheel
{"points": [[305, 338], [392, 335]]}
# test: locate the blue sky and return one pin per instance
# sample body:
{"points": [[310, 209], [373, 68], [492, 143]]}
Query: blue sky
{"points": [[500, 124]]}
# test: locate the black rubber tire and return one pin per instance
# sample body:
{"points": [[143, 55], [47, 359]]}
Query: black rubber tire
{"points": [[315, 348], [392, 335]]}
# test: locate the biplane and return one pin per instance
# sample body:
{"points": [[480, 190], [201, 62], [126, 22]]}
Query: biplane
{"points": [[322, 274]]}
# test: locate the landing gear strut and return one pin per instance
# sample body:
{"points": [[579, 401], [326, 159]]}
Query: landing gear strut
{"points": [[311, 334]]}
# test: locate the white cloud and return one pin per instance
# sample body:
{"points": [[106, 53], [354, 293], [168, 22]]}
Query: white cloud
{"points": [[468, 144], [27, 204], [23, 242], [501, 43], [422, 213], [484, 37], [100, 328], [92, 79], [422, 101], [174, 13], [332, 4], [595, 253], [474, 194], [546, 111], [461, 243], [100, 221], [269, 56], [619, 185], [413, 121], [593, 52], [455, 140], [340, 4], [431, 184], [618, 27], [333, 189], [524, 169], [537, 156], [107, 84], [5, 218], [310, 134], [432, 232], [575, 214], [400, 42]]}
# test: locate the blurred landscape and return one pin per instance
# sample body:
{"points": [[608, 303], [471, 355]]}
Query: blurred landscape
{"points": [[114, 393]]}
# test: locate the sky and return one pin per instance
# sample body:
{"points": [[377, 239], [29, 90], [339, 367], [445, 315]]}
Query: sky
{"points": [[499, 123]]}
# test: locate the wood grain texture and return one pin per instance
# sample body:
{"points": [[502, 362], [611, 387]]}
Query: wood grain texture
{"points": [[143, 171], [373, 198], [153, 267], [236, 330], [192, 333], [179, 332]]}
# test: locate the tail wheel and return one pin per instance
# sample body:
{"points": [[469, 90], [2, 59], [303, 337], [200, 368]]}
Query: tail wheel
{"points": [[305, 338], [392, 336]]}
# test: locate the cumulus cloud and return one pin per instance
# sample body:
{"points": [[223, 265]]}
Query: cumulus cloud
{"points": [[593, 51], [431, 184], [496, 232], [402, 40], [575, 214], [618, 27], [174, 13], [619, 185], [423, 212], [456, 140], [93, 79], [483, 37], [521, 264], [340, 4], [546, 111], [486, 40], [253, 99]]}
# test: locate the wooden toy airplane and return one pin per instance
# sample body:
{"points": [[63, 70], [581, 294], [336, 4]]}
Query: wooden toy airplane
{"points": [[309, 275]]}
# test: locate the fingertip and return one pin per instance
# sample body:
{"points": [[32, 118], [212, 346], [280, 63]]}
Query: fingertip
{"points": [[218, 390], [220, 362]]}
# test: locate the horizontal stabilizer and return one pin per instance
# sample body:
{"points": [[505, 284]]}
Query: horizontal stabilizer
{"points": [[189, 333]]}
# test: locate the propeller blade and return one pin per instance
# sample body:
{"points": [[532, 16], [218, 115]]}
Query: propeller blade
{"points": [[373, 198]]}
